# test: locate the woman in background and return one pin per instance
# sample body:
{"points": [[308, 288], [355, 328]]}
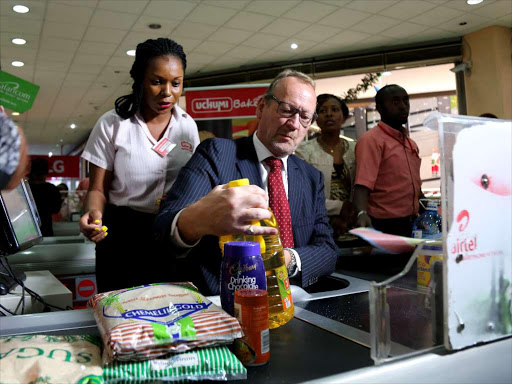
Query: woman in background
{"points": [[334, 157], [136, 152]]}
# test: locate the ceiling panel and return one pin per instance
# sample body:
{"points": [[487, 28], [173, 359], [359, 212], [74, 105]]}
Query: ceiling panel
{"points": [[64, 30], [213, 48], [285, 27], [194, 31], [126, 6], [249, 21], [14, 23], [210, 15], [104, 35], [263, 40], [229, 35], [57, 44], [437, 16], [344, 18], [175, 10], [403, 30], [37, 9], [309, 11], [501, 7], [375, 24], [272, 7], [62, 13], [372, 6], [75, 47], [407, 9], [318, 33], [115, 20]]}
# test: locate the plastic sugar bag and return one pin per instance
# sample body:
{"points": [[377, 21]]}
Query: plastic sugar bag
{"points": [[149, 321], [50, 359], [211, 363]]}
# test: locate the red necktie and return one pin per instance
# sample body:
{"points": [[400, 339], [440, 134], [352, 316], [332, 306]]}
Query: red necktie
{"points": [[279, 202]]}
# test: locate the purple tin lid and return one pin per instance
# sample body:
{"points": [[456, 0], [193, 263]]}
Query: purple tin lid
{"points": [[241, 248]]}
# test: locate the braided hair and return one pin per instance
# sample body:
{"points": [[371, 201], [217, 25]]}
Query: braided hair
{"points": [[128, 105]]}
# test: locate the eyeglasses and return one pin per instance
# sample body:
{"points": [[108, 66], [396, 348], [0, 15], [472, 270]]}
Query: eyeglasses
{"points": [[287, 110]]}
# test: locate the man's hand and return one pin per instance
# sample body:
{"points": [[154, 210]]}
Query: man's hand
{"points": [[364, 221], [225, 211]]}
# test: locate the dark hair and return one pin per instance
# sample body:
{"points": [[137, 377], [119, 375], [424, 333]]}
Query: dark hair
{"points": [[127, 106], [379, 97], [321, 99], [489, 115], [39, 167]]}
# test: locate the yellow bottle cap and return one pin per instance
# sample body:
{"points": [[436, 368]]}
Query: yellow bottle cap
{"points": [[238, 183]]}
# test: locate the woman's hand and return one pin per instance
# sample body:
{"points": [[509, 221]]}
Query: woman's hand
{"points": [[91, 226]]}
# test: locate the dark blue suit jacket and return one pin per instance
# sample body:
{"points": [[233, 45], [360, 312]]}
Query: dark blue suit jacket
{"points": [[218, 161]]}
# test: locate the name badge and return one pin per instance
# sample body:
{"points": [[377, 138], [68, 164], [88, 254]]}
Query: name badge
{"points": [[163, 147]]}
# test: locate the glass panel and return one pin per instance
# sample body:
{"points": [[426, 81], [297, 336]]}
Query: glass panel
{"points": [[406, 310]]}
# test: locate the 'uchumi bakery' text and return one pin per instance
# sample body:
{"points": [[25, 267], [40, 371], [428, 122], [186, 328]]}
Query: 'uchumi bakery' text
{"points": [[222, 104]]}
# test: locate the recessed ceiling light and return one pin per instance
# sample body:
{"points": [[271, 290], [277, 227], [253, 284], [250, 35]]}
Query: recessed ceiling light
{"points": [[72, 126], [463, 23], [131, 52], [20, 9], [294, 46], [386, 73], [15, 113], [474, 2], [155, 26], [17, 63], [18, 41]]}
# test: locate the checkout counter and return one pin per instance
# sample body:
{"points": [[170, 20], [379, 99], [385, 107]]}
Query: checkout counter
{"points": [[369, 322]]}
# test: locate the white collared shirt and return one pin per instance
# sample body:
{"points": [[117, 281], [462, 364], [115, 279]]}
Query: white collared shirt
{"points": [[263, 153], [140, 176]]}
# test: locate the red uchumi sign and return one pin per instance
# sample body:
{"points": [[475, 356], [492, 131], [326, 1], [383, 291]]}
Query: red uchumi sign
{"points": [[224, 103], [62, 166]]}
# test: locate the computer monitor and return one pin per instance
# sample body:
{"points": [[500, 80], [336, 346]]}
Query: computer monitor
{"points": [[19, 229]]}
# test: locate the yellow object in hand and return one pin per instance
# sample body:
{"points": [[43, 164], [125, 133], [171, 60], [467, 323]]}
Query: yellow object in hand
{"points": [[104, 229], [96, 221]]}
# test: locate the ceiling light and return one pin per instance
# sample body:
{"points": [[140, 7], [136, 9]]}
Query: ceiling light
{"points": [[50, 154], [474, 2], [18, 41], [20, 9], [294, 46], [17, 63], [15, 113], [386, 73], [72, 126], [155, 26], [131, 52]]}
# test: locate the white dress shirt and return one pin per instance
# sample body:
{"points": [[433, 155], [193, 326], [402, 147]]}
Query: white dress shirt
{"points": [[140, 175]]}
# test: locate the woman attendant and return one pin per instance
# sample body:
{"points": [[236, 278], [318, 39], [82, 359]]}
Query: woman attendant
{"points": [[136, 152], [335, 158]]}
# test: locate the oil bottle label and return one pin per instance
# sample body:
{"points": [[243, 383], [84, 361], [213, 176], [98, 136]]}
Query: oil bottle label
{"points": [[284, 286]]}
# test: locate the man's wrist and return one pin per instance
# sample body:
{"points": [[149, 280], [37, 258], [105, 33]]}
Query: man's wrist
{"points": [[292, 267], [189, 232]]}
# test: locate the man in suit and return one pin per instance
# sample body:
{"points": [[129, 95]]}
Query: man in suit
{"points": [[200, 208]]}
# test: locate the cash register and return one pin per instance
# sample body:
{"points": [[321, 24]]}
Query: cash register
{"points": [[19, 230]]}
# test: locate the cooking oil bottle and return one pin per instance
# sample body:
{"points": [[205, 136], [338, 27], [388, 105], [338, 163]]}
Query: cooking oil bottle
{"points": [[280, 302]]}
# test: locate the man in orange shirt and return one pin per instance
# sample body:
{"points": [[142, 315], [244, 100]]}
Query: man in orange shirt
{"points": [[388, 182]]}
